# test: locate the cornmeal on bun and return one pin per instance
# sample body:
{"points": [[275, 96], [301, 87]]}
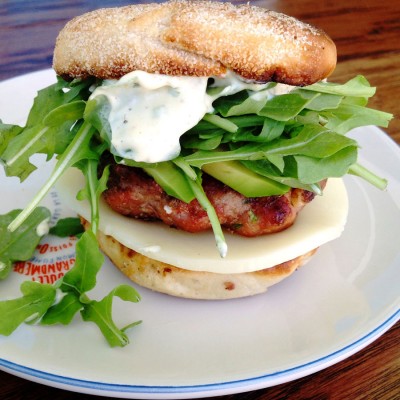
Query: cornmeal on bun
{"points": [[195, 49], [194, 38]]}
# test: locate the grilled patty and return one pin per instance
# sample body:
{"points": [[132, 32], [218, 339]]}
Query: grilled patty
{"points": [[131, 192]]}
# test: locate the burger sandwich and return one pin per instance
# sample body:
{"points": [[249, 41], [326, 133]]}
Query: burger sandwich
{"points": [[209, 138]]}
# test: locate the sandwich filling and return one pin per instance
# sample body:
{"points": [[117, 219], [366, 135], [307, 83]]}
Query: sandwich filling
{"points": [[259, 140], [323, 220], [268, 143], [148, 113]]}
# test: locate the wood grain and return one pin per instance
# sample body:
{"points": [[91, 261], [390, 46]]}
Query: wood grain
{"points": [[367, 35], [381, 73]]}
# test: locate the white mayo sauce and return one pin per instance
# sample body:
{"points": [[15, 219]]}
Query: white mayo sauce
{"points": [[150, 112], [43, 228], [2, 266]]}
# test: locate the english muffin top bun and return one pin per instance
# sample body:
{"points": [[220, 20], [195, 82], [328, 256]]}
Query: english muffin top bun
{"points": [[195, 38]]}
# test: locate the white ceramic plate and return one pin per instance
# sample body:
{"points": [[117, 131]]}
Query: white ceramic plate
{"points": [[344, 299]]}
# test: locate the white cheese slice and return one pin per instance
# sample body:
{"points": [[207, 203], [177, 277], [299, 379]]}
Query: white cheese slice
{"points": [[319, 222]]}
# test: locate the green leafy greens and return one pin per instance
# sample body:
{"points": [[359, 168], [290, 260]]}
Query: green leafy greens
{"points": [[55, 126], [296, 139], [80, 280], [20, 245], [70, 226]]}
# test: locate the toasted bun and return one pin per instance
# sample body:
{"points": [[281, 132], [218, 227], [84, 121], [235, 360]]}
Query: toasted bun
{"points": [[197, 38], [166, 278]]}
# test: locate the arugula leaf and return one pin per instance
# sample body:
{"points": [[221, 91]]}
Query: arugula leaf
{"points": [[223, 105], [323, 101], [19, 149], [19, 245], [212, 215], [36, 299], [42, 138], [100, 312], [267, 168], [200, 143], [186, 168], [358, 170], [45, 101], [53, 96], [7, 133], [65, 227], [48, 130], [82, 277], [220, 122], [311, 170], [80, 280], [76, 89], [355, 87], [270, 130], [349, 116], [311, 141], [66, 112], [93, 187], [96, 113], [286, 106], [77, 150], [252, 105], [63, 311]]}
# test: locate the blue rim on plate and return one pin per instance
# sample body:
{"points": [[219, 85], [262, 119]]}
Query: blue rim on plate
{"points": [[260, 380]]}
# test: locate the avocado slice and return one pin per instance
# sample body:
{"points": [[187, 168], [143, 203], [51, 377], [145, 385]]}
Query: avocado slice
{"points": [[172, 180], [235, 175]]}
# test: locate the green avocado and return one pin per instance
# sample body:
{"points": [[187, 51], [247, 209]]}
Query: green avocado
{"points": [[238, 177], [172, 180]]}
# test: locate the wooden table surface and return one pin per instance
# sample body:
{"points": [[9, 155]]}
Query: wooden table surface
{"points": [[367, 35]]}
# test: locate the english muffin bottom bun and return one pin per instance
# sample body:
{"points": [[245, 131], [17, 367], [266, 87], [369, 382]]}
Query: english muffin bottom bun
{"points": [[157, 72], [180, 282]]}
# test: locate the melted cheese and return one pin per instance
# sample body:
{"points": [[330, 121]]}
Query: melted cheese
{"points": [[320, 222]]}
